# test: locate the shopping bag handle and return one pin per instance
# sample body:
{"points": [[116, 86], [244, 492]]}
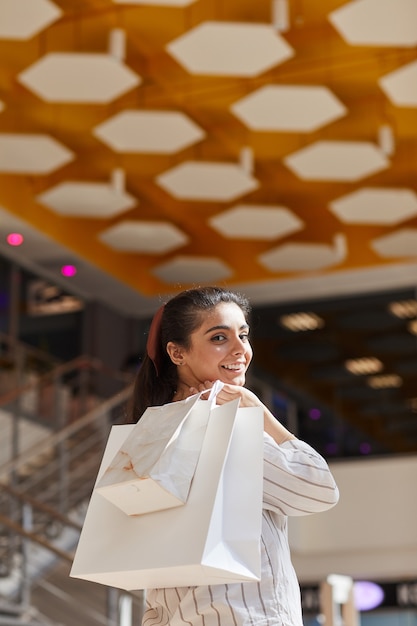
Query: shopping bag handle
{"points": [[217, 387]]}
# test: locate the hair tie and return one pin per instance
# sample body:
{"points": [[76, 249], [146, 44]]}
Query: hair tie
{"points": [[153, 343]]}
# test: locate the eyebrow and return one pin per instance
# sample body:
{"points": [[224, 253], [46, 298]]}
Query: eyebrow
{"points": [[225, 327]]}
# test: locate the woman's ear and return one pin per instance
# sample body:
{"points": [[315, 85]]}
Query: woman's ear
{"points": [[175, 353]]}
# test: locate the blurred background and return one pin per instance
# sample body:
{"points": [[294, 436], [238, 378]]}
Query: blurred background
{"points": [[150, 146]]}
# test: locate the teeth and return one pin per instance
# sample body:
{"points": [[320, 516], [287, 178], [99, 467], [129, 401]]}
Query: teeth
{"points": [[232, 367]]}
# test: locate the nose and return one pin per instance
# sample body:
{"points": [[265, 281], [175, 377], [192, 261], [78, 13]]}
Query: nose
{"points": [[240, 346]]}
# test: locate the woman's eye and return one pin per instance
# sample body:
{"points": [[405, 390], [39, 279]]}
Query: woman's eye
{"points": [[218, 338]]}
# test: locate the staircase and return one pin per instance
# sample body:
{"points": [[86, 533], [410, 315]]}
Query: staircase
{"points": [[54, 427]]}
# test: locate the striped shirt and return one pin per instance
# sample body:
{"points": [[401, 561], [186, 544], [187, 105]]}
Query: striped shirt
{"points": [[297, 481]]}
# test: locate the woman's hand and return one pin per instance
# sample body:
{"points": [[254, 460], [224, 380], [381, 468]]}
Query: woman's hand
{"points": [[233, 392], [229, 393], [247, 399]]}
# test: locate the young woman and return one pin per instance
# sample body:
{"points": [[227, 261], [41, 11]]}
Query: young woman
{"points": [[199, 336]]}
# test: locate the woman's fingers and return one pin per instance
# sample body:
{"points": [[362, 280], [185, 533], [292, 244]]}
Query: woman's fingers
{"points": [[202, 387], [231, 392], [228, 393]]}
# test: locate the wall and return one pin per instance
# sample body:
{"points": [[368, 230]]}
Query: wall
{"points": [[111, 338], [371, 532]]}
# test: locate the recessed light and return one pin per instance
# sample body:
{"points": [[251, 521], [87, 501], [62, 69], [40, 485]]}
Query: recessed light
{"points": [[364, 365], [405, 309], [412, 327], [385, 381], [301, 321]]}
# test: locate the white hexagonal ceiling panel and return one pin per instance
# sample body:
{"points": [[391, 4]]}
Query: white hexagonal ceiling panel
{"points": [[288, 108], [164, 132], [376, 205], [32, 154], [22, 19], [144, 236], [86, 199], [230, 49], [399, 244], [186, 270], [79, 77], [196, 180], [377, 22], [247, 221], [337, 160], [294, 257], [400, 86]]}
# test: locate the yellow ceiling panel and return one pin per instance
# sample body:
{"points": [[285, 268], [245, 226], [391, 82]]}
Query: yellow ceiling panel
{"points": [[321, 58]]}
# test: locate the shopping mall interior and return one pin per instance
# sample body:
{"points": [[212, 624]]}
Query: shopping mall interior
{"points": [[150, 146]]}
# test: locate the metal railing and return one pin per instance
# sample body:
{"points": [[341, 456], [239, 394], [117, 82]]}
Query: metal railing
{"points": [[45, 484]]}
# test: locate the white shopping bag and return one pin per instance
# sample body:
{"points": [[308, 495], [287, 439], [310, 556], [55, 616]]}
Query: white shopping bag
{"points": [[155, 465], [213, 538]]}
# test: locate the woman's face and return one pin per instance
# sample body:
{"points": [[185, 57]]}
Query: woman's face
{"points": [[219, 350]]}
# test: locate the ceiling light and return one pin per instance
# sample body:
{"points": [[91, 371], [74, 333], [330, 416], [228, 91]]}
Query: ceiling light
{"points": [[44, 298], [14, 239], [412, 327], [404, 309], [68, 270], [413, 404], [301, 321], [385, 382], [365, 365]]}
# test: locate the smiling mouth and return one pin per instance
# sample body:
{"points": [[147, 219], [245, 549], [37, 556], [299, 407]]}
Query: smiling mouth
{"points": [[233, 368]]}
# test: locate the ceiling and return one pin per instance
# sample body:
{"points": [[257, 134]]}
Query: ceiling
{"points": [[268, 145]]}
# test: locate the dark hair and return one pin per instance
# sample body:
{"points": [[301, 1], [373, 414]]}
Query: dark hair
{"points": [[181, 316]]}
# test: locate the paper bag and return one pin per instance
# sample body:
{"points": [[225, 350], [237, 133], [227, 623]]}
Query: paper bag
{"points": [[154, 466], [213, 538]]}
